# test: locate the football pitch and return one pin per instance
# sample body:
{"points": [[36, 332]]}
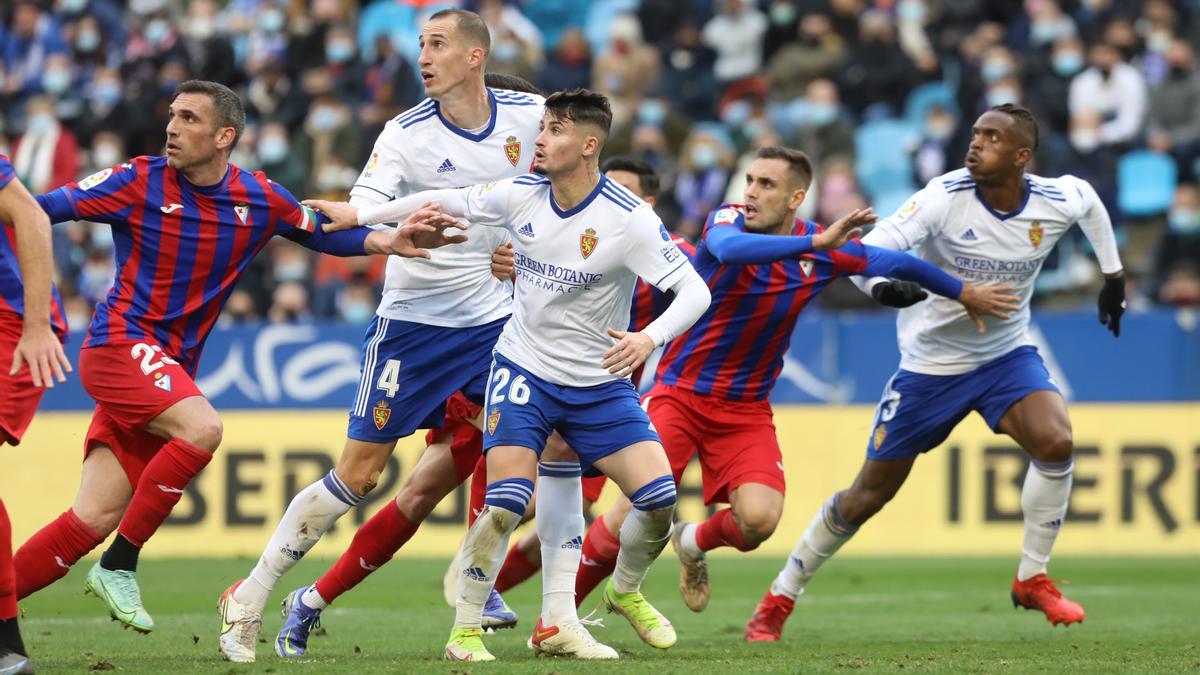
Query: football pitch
{"points": [[947, 615]]}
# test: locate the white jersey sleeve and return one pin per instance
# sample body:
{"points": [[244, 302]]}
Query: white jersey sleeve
{"points": [[1096, 225], [487, 204], [650, 252], [921, 217], [383, 174]]}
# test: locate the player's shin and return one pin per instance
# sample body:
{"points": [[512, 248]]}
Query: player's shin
{"points": [[1044, 499], [824, 536], [483, 549], [560, 527], [48, 555], [597, 559], [309, 515], [645, 532]]}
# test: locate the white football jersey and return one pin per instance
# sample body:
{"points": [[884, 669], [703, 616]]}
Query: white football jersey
{"points": [[422, 150], [576, 271], [948, 224]]}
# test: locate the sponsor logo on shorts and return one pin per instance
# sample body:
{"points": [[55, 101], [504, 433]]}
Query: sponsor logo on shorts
{"points": [[382, 414], [162, 381]]}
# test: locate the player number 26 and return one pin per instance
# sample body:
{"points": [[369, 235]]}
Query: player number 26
{"points": [[147, 353], [518, 391]]}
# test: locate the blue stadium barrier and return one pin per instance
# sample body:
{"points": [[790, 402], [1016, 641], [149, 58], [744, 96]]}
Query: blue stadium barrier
{"points": [[1146, 183]]}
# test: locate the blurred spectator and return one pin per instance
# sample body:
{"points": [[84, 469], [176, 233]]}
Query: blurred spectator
{"points": [[1157, 27], [688, 78], [516, 41], [277, 160], [332, 141], [239, 309], [107, 150], [79, 313], [91, 48], [97, 274], [1182, 285], [932, 158], [736, 35], [1175, 109], [59, 84], [345, 69], [570, 65], [274, 95], [45, 156], [556, 19], [356, 303], [1047, 23], [818, 52], [877, 71], [783, 23], [627, 68], [1178, 255], [289, 304], [703, 172], [34, 36], [1049, 87], [1113, 90], [392, 87], [209, 54], [824, 130]]}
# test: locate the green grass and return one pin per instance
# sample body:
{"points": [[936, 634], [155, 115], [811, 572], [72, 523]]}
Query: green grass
{"points": [[948, 615]]}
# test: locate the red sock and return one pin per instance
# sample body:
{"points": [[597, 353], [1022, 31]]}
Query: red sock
{"points": [[49, 554], [720, 530], [516, 568], [8, 581], [599, 559], [478, 490], [160, 489], [373, 545]]}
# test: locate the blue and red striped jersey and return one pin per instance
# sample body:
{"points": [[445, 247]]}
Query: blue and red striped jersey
{"points": [[648, 301], [180, 247], [735, 351], [12, 290]]}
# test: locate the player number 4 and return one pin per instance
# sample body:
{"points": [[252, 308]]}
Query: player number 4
{"points": [[389, 379], [518, 391]]}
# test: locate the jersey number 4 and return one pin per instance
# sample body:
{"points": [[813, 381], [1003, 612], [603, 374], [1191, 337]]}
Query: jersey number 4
{"points": [[389, 379], [518, 391]]}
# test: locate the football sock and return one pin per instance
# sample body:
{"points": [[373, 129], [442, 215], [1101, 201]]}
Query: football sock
{"points": [[597, 560], [483, 549], [478, 490], [719, 530], [1044, 500], [121, 555], [373, 545], [516, 569], [645, 532], [311, 597], [824, 536], [8, 581], [311, 512], [49, 554], [10, 637], [160, 489], [560, 524]]}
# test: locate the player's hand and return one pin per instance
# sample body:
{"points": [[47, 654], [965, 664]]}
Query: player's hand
{"points": [[41, 349], [898, 293], [504, 262], [843, 230], [425, 229], [630, 352], [1112, 303], [980, 301], [341, 215]]}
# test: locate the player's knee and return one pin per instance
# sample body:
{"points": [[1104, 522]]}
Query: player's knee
{"points": [[656, 495], [1055, 447], [857, 504], [206, 433], [756, 525], [103, 519], [417, 499]]}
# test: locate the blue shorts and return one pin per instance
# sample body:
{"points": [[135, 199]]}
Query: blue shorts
{"points": [[522, 409], [917, 412], [410, 369]]}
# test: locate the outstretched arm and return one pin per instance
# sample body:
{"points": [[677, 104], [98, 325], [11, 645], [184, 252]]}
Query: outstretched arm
{"points": [[732, 246], [343, 215]]}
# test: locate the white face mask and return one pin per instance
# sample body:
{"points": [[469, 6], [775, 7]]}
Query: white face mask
{"points": [[1085, 140], [106, 154]]}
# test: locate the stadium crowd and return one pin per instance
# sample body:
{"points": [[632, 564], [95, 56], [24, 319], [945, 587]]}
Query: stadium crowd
{"points": [[880, 93]]}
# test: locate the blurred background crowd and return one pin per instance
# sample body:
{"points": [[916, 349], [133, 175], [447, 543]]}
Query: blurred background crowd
{"points": [[880, 93]]}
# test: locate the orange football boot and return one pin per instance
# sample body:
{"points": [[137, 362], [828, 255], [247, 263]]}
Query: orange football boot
{"points": [[1039, 592], [766, 624]]}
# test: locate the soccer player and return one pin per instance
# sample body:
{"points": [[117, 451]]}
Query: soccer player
{"points": [[580, 243], [32, 328], [989, 222], [714, 382], [432, 334], [184, 227]]}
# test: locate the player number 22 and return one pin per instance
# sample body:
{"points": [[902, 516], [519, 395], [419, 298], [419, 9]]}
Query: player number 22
{"points": [[518, 391], [147, 353]]}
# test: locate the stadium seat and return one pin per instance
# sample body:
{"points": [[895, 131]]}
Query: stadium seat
{"points": [[925, 97], [887, 203], [1145, 183], [883, 161]]}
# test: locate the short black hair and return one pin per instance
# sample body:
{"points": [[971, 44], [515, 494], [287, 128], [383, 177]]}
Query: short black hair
{"points": [[797, 161], [469, 25], [647, 177], [1022, 117], [581, 106], [227, 104], [511, 83]]}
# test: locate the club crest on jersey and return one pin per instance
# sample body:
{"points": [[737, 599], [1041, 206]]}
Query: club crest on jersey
{"points": [[512, 150], [879, 436], [382, 414], [95, 179], [1035, 233], [806, 267], [493, 420], [587, 242], [242, 210]]}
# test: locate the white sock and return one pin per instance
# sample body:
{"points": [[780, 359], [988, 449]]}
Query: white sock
{"points": [[824, 536], [560, 527], [687, 540], [311, 512], [644, 534], [482, 554], [1044, 500], [312, 599]]}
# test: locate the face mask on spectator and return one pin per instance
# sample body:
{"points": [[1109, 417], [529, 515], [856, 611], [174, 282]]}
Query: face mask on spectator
{"points": [[821, 113], [939, 128], [273, 149], [87, 41], [507, 51], [911, 10], [755, 128], [736, 113], [1067, 64], [106, 154], [783, 13], [325, 119], [1044, 32], [1001, 95], [1183, 220], [357, 312], [1159, 40], [40, 123], [1085, 140], [704, 157], [201, 27], [73, 6], [330, 178], [101, 236], [291, 271], [56, 80], [652, 112], [156, 31], [107, 92], [340, 51], [995, 69], [270, 20]]}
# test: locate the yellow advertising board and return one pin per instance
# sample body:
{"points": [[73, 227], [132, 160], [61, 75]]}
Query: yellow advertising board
{"points": [[1137, 484]]}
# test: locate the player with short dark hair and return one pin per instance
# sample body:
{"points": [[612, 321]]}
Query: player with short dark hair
{"points": [[185, 226], [989, 222]]}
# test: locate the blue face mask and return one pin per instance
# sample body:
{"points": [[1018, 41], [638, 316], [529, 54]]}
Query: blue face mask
{"points": [[911, 11], [273, 149], [73, 6], [40, 123], [324, 119], [652, 112], [1002, 95], [156, 31], [1184, 221], [507, 51], [87, 41], [783, 13], [994, 70], [271, 20], [1067, 64], [1044, 32], [704, 157], [56, 81], [357, 312], [107, 92], [736, 113], [820, 113], [340, 51]]}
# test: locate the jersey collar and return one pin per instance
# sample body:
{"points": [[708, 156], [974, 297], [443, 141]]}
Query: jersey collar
{"points": [[581, 205], [487, 131], [1011, 214]]}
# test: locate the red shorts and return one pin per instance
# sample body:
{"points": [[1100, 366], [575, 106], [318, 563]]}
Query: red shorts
{"points": [[735, 439], [466, 442], [19, 398], [592, 487]]}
